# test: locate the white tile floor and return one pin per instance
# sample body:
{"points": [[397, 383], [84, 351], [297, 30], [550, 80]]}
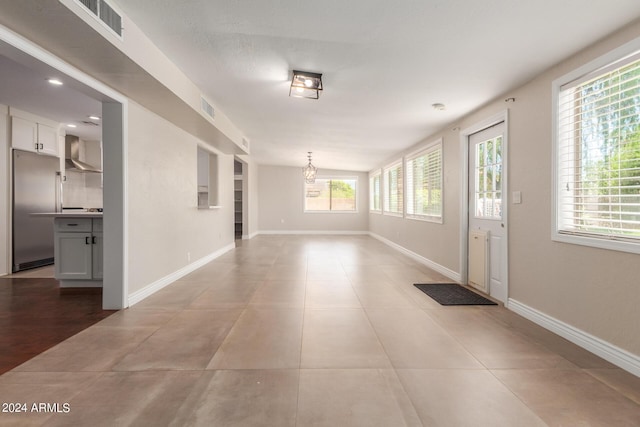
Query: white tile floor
{"points": [[317, 331]]}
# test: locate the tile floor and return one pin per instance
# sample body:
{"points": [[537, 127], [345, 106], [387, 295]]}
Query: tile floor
{"points": [[317, 331]]}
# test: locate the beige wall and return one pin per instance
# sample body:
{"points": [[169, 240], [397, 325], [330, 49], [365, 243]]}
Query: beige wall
{"points": [[163, 220], [438, 243], [281, 200], [594, 290]]}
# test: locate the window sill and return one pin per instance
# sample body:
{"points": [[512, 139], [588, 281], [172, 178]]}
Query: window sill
{"points": [[597, 242], [432, 219], [205, 208], [331, 212], [396, 214]]}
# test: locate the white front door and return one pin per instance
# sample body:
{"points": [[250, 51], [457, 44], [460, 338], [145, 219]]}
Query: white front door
{"points": [[487, 205]]}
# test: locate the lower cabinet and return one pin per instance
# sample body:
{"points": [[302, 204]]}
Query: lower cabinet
{"points": [[78, 248]]}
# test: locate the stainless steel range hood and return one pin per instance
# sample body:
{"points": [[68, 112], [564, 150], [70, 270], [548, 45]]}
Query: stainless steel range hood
{"points": [[72, 156]]}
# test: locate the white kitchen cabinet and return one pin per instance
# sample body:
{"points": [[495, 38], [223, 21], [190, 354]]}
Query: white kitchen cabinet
{"points": [[24, 134], [74, 257], [78, 249], [97, 253], [47, 140], [35, 137]]}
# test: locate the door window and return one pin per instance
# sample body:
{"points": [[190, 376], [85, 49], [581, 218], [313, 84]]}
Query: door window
{"points": [[488, 179]]}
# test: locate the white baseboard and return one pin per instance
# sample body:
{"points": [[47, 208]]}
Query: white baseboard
{"points": [[609, 352], [154, 287], [422, 260], [80, 283], [315, 232], [249, 236]]}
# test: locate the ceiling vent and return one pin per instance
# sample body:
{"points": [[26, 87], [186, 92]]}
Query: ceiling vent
{"points": [[92, 5], [105, 13], [207, 108]]}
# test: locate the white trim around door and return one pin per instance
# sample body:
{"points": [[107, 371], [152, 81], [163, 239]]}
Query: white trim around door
{"points": [[465, 134]]}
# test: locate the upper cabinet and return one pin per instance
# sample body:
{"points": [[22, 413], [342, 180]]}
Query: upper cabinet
{"points": [[47, 140], [31, 135]]}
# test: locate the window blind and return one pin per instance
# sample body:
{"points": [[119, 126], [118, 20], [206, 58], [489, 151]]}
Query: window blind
{"points": [[424, 183], [598, 155], [374, 192], [393, 191]]}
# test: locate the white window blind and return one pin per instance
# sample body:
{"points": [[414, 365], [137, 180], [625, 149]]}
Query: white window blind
{"points": [[374, 192], [393, 191], [424, 183], [598, 155]]}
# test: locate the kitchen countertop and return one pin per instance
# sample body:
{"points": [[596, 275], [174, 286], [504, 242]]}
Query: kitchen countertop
{"points": [[72, 214]]}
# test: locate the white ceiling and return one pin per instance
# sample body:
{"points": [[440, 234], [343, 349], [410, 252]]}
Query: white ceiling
{"points": [[384, 64], [25, 87]]}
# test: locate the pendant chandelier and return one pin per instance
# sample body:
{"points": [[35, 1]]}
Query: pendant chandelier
{"points": [[309, 171]]}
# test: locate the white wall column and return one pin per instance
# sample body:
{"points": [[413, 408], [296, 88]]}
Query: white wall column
{"points": [[115, 286]]}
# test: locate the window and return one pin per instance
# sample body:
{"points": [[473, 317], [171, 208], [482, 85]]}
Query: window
{"points": [[207, 179], [488, 179], [375, 204], [393, 202], [597, 157], [331, 195], [424, 183]]}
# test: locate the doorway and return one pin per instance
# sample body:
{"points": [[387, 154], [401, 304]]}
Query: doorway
{"points": [[485, 248], [113, 135], [238, 198]]}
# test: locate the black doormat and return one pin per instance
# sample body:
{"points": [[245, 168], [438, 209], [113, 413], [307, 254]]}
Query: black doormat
{"points": [[452, 294]]}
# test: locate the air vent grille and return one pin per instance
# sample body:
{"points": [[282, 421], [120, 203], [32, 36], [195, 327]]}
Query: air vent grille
{"points": [[103, 11], [92, 5], [207, 108], [111, 18]]}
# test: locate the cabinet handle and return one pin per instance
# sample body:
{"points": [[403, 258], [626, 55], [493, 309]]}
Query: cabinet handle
{"points": [[93, 239], [72, 225], [86, 240]]}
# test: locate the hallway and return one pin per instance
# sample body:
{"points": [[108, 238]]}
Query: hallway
{"points": [[317, 330]]}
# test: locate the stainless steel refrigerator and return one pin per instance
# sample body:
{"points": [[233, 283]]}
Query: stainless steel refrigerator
{"points": [[36, 189]]}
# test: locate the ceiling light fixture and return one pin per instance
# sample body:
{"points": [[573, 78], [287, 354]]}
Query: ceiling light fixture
{"points": [[55, 82], [309, 171], [305, 84], [70, 125], [94, 117]]}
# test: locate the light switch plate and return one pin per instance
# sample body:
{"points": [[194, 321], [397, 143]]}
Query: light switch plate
{"points": [[517, 197]]}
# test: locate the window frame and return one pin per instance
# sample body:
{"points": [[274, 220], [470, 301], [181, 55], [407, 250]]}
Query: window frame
{"points": [[372, 175], [601, 65], [330, 178], [409, 193], [386, 190]]}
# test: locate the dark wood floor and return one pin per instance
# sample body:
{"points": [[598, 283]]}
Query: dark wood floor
{"points": [[35, 315]]}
